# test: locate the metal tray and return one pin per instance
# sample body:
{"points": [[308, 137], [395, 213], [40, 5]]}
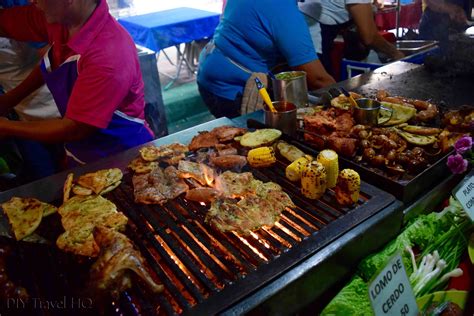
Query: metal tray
{"points": [[406, 190], [410, 47]]}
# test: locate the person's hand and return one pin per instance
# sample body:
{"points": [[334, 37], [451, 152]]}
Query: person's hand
{"points": [[379, 4], [398, 55]]}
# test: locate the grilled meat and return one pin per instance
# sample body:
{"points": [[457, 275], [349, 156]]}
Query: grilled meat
{"points": [[250, 213], [117, 259], [198, 171], [334, 126], [158, 186], [170, 154], [227, 133], [224, 150], [229, 161], [261, 203], [203, 140], [203, 194]]}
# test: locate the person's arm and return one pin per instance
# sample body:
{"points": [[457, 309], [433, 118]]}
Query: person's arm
{"points": [[363, 18], [14, 96], [456, 13], [47, 131], [316, 75]]}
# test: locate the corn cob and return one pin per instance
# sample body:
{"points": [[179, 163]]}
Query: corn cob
{"points": [[293, 170], [347, 187], [313, 180], [261, 157], [328, 158]]}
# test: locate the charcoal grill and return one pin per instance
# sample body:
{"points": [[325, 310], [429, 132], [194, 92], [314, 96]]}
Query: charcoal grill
{"points": [[205, 271]]}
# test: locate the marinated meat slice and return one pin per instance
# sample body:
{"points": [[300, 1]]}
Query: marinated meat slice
{"points": [[229, 161], [171, 153], [144, 188], [227, 133], [224, 150], [158, 186], [235, 184], [117, 260], [198, 171], [251, 212], [203, 194], [203, 140]]}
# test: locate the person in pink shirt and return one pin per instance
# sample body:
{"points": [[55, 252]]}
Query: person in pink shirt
{"points": [[93, 73]]}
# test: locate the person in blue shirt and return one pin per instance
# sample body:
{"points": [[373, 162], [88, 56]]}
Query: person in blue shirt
{"points": [[254, 37], [443, 17]]}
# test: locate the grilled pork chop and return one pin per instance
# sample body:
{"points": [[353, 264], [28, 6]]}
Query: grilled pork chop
{"points": [[203, 140], [158, 186], [227, 133], [117, 259]]}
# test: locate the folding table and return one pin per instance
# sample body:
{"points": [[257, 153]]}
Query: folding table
{"points": [[159, 30]]}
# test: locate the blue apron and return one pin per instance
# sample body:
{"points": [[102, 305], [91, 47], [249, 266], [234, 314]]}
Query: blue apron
{"points": [[123, 131]]}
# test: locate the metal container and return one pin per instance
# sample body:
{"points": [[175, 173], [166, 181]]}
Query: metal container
{"points": [[367, 112], [283, 119], [291, 86]]}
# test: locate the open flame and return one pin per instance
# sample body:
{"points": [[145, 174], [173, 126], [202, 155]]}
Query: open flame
{"points": [[208, 175]]}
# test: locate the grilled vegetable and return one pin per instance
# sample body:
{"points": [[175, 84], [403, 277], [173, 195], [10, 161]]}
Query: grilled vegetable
{"points": [[313, 180], [261, 157], [260, 137], [328, 158], [419, 140], [347, 187], [288, 151], [293, 170]]}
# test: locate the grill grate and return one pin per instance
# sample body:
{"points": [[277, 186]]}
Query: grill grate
{"points": [[204, 270]]}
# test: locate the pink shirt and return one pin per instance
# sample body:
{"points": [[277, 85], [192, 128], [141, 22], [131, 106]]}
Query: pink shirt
{"points": [[109, 76]]}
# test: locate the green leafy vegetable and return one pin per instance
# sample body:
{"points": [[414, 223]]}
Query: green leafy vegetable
{"points": [[352, 300]]}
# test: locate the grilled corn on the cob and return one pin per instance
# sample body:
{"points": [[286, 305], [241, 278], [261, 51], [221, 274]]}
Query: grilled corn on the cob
{"points": [[313, 180], [347, 187], [294, 169], [261, 157], [328, 158]]}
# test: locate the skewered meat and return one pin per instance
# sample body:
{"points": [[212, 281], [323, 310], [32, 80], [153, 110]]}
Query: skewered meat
{"points": [[203, 140], [198, 171], [227, 133], [117, 259], [158, 186], [229, 161]]}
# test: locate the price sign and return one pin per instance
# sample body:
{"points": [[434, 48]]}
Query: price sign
{"points": [[390, 292], [464, 193]]}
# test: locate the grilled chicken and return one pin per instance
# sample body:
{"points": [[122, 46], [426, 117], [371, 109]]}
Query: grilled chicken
{"points": [[158, 186], [117, 259], [225, 149]]}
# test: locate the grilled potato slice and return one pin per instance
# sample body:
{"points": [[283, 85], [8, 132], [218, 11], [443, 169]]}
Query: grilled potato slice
{"points": [[260, 137], [290, 152]]}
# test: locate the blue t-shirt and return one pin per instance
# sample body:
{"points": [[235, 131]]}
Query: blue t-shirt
{"points": [[257, 35], [13, 3]]}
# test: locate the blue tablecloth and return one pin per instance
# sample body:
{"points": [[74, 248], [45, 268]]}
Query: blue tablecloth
{"points": [[167, 28]]}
